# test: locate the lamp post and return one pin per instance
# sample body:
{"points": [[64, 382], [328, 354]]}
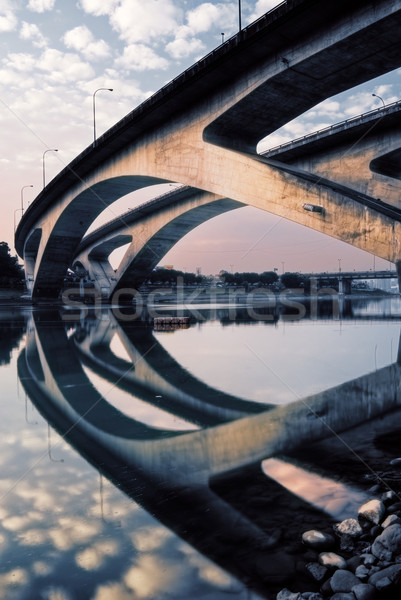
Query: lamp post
{"points": [[15, 221], [339, 265], [380, 98], [94, 110], [43, 162], [22, 197], [239, 16], [21, 207]]}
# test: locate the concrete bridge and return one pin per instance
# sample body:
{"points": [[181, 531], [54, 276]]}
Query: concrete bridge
{"points": [[202, 129], [170, 473]]}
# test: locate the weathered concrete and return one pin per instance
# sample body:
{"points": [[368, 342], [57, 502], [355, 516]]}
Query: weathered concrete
{"points": [[363, 153], [152, 230], [201, 130]]}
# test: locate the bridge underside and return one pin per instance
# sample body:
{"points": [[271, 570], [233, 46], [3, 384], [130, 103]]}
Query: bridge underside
{"points": [[298, 56]]}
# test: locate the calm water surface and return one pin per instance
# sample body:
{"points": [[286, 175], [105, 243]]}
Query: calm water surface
{"points": [[185, 463]]}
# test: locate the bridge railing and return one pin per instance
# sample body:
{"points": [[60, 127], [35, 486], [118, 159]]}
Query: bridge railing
{"points": [[331, 128]]}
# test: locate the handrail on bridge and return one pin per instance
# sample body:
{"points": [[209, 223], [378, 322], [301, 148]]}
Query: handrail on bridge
{"points": [[340, 124]]}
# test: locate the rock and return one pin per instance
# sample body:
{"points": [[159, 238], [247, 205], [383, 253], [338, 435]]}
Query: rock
{"points": [[325, 588], [392, 574], [368, 559], [388, 542], [316, 571], [375, 531], [331, 560], [317, 539], [348, 527], [285, 594], [362, 572], [389, 497], [394, 508], [372, 511], [354, 562], [311, 596], [391, 520], [343, 581], [384, 584], [343, 596], [364, 591]]}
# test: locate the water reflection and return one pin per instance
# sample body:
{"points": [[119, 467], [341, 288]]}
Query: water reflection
{"points": [[225, 474]]}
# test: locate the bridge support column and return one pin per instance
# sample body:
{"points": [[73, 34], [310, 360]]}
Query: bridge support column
{"points": [[398, 267]]}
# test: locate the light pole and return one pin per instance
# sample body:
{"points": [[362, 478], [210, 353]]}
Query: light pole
{"points": [[380, 98], [22, 197], [222, 38], [239, 15], [339, 265], [94, 110], [43, 162], [15, 221]]}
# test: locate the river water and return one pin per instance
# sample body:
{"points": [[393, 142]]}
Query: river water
{"points": [[185, 461]]}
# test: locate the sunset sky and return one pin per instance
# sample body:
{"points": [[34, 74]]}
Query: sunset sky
{"points": [[54, 54]]}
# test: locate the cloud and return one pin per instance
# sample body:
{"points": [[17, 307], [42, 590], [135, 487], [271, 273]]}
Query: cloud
{"points": [[20, 62], [40, 6], [8, 20], [98, 7], [181, 47], [30, 31], [81, 39], [138, 21], [63, 67], [138, 57], [262, 7], [207, 16]]}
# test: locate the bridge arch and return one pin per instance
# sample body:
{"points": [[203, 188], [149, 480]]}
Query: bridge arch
{"points": [[189, 132], [60, 239], [154, 229]]}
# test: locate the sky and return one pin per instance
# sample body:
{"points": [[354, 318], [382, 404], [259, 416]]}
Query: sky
{"points": [[54, 54]]}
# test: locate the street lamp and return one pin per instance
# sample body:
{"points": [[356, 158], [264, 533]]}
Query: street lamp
{"points": [[22, 197], [43, 162], [380, 98], [94, 110], [339, 265], [239, 15]]}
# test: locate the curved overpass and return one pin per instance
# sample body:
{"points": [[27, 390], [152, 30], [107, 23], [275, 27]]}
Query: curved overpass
{"points": [[201, 130]]}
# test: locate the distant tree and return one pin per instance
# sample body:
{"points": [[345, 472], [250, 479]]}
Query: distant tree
{"points": [[292, 280], [268, 277], [170, 276], [11, 273]]}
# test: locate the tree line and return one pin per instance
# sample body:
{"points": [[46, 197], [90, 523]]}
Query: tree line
{"points": [[11, 272]]}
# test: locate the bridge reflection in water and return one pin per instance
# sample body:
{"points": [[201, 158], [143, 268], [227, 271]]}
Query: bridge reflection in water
{"points": [[195, 476]]}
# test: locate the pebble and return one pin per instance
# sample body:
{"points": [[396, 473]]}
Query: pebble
{"points": [[317, 539], [362, 572], [332, 560], [364, 591], [348, 527], [316, 571], [343, 581], [391, 520], [374, 542], [285, 594], [388, 542], [372, 511]]}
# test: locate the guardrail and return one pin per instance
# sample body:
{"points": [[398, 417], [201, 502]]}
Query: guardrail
{"points": [[330, 128]]}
